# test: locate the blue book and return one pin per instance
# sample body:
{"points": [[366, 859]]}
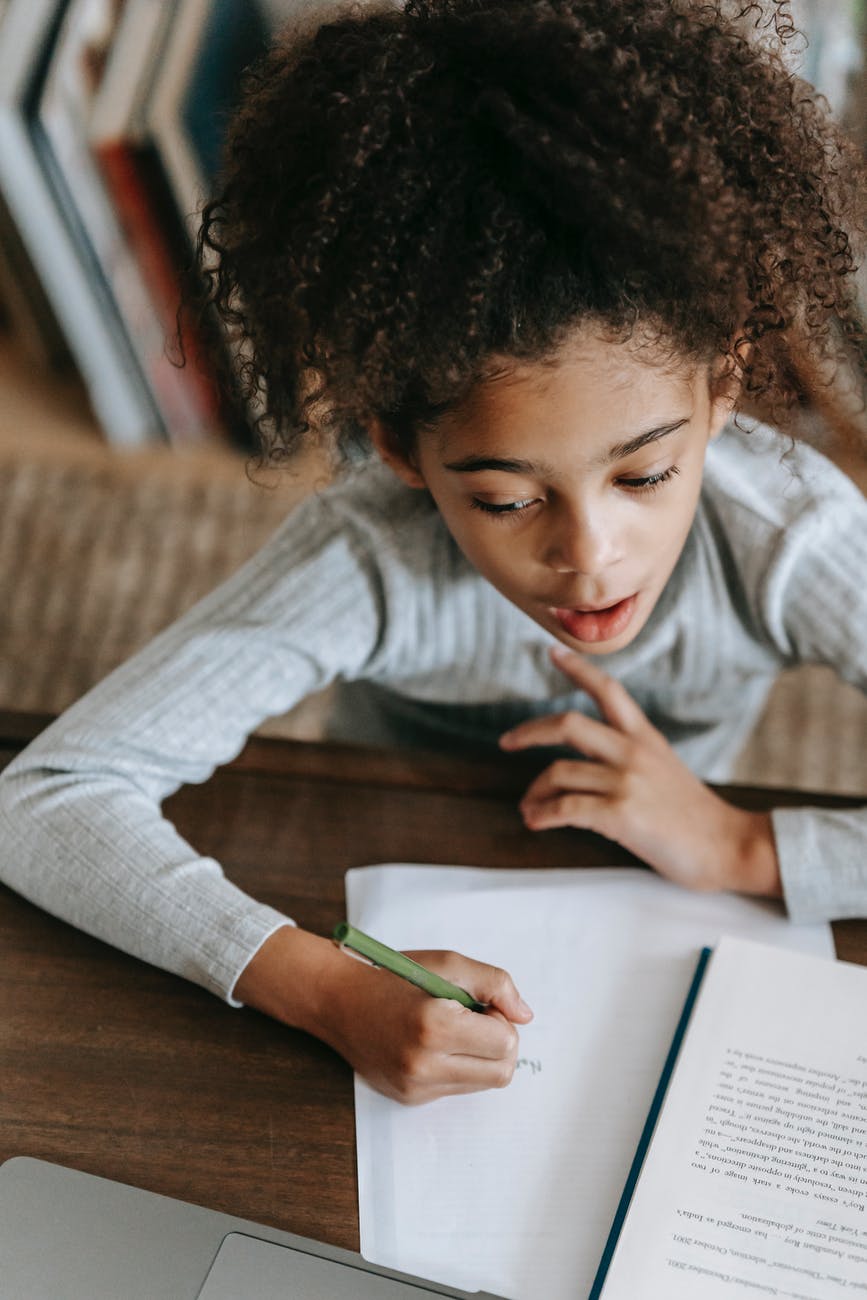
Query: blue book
{"points": [[209, 45]]}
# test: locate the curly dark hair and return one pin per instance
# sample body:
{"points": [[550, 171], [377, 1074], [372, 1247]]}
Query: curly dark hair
{"points": [[410, 192]]}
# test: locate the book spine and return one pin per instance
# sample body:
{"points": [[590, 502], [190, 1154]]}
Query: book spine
{"points": [[128, 177], [641, 1150]]}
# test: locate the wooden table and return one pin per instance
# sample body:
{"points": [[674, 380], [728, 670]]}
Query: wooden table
{"points": [[116, 1068]]}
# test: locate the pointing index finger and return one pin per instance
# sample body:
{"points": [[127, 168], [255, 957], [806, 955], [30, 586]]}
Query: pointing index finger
{"points": [[613, 700]]}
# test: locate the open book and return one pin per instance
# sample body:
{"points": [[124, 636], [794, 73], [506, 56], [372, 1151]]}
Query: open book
{"points": [[752, 1179], [514, 1191]]}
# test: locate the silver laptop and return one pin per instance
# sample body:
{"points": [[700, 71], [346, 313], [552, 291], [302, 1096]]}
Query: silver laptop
{"points": [[66, 1235]]}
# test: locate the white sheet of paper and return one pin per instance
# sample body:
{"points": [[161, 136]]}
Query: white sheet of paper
{"points": [[756, 1179], [515, 1190]]}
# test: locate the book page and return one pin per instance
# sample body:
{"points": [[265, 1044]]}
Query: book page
{"points": [[756, 1178], [514, 1191]]}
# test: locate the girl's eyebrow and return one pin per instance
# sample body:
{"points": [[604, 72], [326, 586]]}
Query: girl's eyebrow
{"points": [[513, 465], [622, 449], [508, 465]]}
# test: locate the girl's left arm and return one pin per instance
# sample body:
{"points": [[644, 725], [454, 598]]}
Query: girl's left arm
{"points": [[630, 786]]}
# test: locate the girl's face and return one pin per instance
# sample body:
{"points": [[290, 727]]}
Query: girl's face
{"points": [[571, 485]]}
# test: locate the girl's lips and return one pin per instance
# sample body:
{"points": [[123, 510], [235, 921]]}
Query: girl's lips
{"points": [[596, 624]]}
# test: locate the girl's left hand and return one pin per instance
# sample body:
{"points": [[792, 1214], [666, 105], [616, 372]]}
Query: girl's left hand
{"points": [[631, 787]]}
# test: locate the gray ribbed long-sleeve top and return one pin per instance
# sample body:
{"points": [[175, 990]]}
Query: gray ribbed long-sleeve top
{"points": [[364, 584]]}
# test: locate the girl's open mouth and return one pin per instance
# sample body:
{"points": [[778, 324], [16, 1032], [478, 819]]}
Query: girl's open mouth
{"points": [[596, 624]]}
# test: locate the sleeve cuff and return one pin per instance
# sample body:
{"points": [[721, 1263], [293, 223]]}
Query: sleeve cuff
{"points": [[823, 862]]}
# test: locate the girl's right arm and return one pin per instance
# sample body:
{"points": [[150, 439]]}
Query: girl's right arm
{"points": [[82, 834], [408, 1045]]}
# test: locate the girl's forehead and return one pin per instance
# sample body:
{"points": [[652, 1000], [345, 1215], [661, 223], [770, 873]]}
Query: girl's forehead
{"points": [[594, 383]]}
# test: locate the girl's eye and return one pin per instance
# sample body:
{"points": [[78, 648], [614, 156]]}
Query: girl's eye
{"points": [[510, 508], [638, 485], [649, 482]]}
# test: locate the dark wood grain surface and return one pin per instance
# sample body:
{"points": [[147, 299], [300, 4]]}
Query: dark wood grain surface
{"points": [[119, 1069]]}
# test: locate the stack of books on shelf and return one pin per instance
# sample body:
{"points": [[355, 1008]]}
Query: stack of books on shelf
{"points": [[112, 118]]}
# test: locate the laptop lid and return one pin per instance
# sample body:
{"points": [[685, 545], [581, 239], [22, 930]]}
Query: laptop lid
{"points": [[70, 1234]]}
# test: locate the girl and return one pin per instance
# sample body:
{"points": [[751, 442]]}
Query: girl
{"points": [[533, 255]]}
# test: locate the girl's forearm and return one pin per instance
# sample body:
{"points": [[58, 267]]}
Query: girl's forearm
{"points": [[288, 976]]}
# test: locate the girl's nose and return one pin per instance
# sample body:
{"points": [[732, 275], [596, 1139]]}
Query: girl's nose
{"points": [[581, 544]]}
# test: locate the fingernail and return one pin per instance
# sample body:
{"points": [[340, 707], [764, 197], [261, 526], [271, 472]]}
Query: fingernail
{"points": [[506, 740], [523, 1007]]}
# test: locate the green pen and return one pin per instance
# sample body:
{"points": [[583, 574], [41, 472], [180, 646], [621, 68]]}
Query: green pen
{"points": [[381, 955]]}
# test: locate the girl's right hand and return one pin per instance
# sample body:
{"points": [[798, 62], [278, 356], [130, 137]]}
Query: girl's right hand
{"points": [[405, 1043]]}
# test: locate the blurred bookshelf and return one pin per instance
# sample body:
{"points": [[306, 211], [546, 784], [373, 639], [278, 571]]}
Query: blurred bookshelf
{"points": [[112, 117]]}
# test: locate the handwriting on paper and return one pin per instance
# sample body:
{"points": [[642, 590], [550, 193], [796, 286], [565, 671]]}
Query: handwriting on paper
{"points": [[531, 1066]]}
